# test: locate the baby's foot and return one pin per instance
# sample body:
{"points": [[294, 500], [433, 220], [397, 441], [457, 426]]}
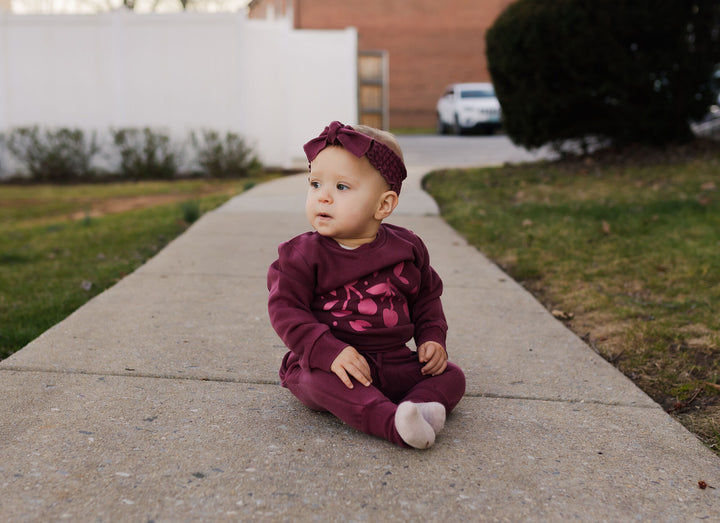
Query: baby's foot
{"points": [[434, 414], [412, 426]]}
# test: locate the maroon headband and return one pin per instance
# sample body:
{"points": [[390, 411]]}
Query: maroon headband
{"points": [[381, 157]]}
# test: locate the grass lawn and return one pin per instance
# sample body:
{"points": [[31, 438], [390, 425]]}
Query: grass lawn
{"points": [[630, 248], [62, 245]]}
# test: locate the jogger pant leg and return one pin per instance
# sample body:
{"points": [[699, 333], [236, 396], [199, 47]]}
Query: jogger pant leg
{"points": [[364, 408], [400, 378], [397, 377]]}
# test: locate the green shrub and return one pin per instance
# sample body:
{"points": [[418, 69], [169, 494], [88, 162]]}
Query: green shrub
{"points": [[66, 155], [228, 157], [627, 71], [54, 155], [190, 211], [145, 154]]}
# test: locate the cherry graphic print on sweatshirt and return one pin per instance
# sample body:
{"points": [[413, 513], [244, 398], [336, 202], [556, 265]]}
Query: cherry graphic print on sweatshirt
{"points": [[371, 302]]}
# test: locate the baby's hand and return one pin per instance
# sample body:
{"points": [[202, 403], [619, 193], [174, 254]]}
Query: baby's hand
{"points": [[435, 356], [351, 362]]}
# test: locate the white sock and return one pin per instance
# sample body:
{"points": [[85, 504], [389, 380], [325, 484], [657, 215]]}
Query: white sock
{"points": [[412, 426], [434, 414]]}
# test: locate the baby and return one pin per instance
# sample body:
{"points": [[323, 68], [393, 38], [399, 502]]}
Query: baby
{"points": [[347, 298]]}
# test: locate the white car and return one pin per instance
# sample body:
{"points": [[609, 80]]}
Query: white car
{"points": [[467, 107]]}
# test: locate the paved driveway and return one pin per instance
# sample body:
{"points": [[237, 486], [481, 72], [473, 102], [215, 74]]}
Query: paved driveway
{"points": [[465, 151]]}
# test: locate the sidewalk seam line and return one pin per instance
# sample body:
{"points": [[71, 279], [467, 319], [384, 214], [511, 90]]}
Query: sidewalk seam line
{"points": [[276, 382], [138, 375], [560, 400]]}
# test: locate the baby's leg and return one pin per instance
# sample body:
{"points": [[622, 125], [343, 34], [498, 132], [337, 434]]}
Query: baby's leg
{"points": [[447, 388], [364, 408], [401, 379], [431, 397]]}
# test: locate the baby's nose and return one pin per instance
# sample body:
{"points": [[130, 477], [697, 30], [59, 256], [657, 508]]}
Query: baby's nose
{"points": [[324, 195]]}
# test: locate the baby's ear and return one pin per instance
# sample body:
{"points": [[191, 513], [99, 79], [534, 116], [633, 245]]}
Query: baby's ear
{"points": [[387, 204]]}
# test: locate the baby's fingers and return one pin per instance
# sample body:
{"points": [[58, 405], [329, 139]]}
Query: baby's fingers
{"points": [[439, 369], [434, 370], [361, 373], [340, 373], [422, 354], [430, 368], [437, 363]]}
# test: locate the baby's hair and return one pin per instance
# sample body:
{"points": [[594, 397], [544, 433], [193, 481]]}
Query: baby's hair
{"points": [[383, 137]]}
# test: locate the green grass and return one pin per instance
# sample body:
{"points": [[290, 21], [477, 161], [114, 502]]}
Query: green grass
{"points": [[631, 249], [60, 246]]}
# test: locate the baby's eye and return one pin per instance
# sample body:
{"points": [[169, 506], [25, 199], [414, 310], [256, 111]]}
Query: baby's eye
{"points": [[342, 187], [314, 184]]}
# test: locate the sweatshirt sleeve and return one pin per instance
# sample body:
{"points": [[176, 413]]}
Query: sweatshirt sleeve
{"points": [[291, 281], [427, 311]]}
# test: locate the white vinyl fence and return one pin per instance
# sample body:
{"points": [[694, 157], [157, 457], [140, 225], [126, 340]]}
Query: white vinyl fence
{"points": [[275, 86]]}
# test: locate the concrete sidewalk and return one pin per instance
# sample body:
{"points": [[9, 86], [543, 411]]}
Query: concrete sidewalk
{"points": [[158, 401]]}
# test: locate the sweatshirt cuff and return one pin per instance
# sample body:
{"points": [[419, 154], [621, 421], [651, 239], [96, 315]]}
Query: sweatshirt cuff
{"points": [[324, 352], [435, 334]]}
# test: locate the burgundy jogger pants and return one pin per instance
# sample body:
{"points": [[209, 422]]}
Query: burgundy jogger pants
{"points": [[396, 377]]}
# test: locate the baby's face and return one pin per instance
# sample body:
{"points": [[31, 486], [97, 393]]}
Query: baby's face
{"points": [[343, 196]]}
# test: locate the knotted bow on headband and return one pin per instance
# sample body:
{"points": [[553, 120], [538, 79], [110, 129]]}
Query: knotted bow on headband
{"points": [[381, 157]]}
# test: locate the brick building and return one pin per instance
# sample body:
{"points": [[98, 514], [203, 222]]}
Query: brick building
{"points": [[429, 43]]}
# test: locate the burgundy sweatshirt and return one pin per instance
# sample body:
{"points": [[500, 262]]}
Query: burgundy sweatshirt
{"points": [[376, 297]]}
